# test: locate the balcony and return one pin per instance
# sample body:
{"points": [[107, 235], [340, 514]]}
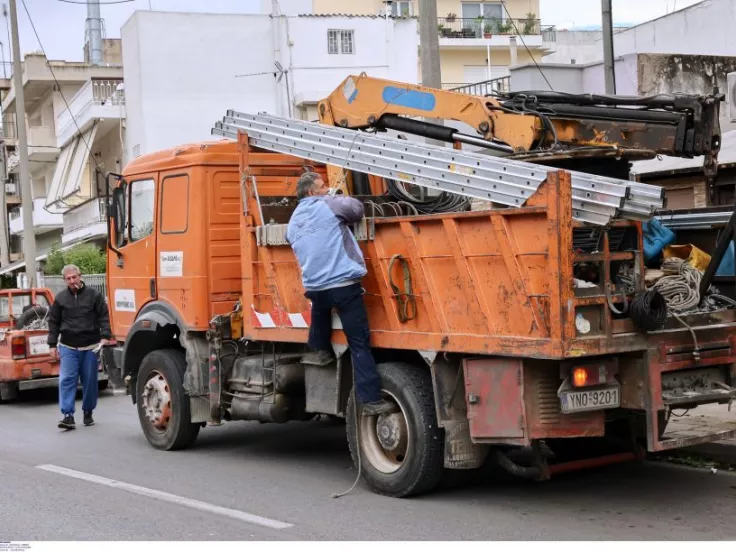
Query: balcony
{"points": [[12, 194], [87, 221], [42, 145], [465, 33], [10, 130], [43, 221], [98, 99]]}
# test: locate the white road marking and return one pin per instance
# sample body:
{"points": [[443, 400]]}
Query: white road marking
{"points": [[166, 497]]}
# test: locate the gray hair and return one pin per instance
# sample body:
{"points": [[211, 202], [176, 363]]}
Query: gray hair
{"points": [[306, 184], [70, 268]]}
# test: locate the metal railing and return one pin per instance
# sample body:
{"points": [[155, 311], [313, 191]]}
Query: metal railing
{"points": [[95, 281], [483, 88], [85, 214], [10, 128], [488, 27]]}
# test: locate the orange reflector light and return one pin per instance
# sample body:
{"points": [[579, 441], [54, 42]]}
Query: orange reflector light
{"points": [[579, 377]]}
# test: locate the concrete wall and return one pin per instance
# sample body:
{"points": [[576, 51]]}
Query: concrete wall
{"points": [[177, 88], [703, 29], [453, 62], [581, 46]]}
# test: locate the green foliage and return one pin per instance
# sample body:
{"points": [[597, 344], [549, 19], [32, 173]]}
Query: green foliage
{"points": [[89, 258]]}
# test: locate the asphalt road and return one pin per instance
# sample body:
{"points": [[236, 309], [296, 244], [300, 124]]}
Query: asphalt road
{"points": [[246, 481]]}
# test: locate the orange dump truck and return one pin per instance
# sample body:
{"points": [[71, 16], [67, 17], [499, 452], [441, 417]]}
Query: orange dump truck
{"points": [[480, 334]]}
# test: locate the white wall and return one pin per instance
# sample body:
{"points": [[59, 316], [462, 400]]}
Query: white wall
{"points": [[180, 69], [180, 74], [581, 46], [706, 28], [288, 7], [383, 49]]}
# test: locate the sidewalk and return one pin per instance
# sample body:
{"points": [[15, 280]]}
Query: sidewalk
{"points": [[715, 417]]}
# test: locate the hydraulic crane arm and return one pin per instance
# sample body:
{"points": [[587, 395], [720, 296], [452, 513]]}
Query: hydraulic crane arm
{"points": [[675, 125]]}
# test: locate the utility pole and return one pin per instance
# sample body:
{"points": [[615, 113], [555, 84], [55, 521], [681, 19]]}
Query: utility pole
{"points": [[29, 235], [429, 42], [608, 63], [4, 243]]}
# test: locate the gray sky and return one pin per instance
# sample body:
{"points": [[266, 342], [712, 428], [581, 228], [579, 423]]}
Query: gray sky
{"points": [[61, 25]]}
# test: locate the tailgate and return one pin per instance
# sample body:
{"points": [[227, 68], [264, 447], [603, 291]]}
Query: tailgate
{"points": [[36, 345]]}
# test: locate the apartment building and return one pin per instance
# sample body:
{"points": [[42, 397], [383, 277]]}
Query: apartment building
{"points": [[74, 123], [479, 40]]}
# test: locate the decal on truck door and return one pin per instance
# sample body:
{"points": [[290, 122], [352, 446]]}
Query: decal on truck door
{"points": [[172, 264], [125, 300]]}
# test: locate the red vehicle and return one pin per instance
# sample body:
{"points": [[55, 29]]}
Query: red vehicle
{"points": [[25, 361]]}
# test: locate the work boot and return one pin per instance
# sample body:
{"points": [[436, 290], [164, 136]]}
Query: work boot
{"points": [[67, 422], [88, 420], [320, 358], [377, 408]]}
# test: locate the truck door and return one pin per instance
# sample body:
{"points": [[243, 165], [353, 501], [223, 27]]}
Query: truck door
{"points": [[132, 278], [181, 280]]}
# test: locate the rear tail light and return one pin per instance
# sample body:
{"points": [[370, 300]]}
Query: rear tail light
{"points": [[580, 377], [590, 374], [18, 347]]}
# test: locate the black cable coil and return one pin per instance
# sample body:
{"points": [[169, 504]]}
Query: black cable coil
{"points": [[444, 203], [648, 310]]}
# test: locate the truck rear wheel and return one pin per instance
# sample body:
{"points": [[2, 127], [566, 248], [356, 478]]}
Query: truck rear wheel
{"points": [[162, 402], [402, 453]]}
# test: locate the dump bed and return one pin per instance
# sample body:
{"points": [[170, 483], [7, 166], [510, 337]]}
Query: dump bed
{"points": [[494, 282]]}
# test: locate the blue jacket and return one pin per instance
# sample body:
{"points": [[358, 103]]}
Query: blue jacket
{"points": [[326, 249]]}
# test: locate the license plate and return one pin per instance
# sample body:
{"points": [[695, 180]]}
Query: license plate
{"points": [[37, 345], [594, 399]]}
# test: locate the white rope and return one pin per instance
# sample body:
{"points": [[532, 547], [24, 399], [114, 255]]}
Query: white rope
{"points": [[680, 286]]}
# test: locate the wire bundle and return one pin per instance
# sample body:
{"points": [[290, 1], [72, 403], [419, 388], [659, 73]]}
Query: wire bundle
{"points": [[648, 310], [443, 203]]}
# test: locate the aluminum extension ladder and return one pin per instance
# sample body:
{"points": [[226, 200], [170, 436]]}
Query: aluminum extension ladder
{"points": [[596, 199]]}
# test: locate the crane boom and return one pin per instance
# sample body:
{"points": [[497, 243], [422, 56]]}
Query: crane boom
{"points": [[677, 125]]}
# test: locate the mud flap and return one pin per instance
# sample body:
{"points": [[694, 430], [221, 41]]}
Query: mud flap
{"points": [[460, 451]]}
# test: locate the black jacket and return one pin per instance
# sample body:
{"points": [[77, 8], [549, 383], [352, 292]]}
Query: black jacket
{"points": [[81, 318]]}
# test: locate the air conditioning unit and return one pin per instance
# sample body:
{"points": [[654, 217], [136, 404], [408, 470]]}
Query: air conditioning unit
{"points": [[731, 97]]}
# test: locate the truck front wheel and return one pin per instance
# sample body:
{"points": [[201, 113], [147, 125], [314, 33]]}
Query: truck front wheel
{"points": [[162, 402], [401, 454]]}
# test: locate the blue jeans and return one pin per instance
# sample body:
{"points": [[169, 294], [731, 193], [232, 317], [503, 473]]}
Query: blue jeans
{"points": [[76, 365], [350, 307]]}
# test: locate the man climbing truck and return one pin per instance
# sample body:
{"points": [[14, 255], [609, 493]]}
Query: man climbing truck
{"points": [[494, 331]]}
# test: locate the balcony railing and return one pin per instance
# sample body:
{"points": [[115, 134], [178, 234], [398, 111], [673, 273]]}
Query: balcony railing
{"points": [[501, 85], [86, 214], [97, 99], [10, 129], [41, 218], [489, 27]]}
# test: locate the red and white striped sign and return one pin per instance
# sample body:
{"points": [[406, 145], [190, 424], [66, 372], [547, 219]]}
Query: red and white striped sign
{"points": [[279, 318]]}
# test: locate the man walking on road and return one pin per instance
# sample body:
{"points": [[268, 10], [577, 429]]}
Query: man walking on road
{"points": [[332, 266], [78, 323]]}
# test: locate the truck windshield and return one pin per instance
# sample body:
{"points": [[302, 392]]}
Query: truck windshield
{"points": [[20, 303]]}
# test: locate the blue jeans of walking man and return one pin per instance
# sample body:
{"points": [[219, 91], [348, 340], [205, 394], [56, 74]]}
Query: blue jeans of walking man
{"points": [[77, 365]]}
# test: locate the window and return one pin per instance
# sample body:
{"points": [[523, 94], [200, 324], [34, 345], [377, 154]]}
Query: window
{"points": [[480, 18], [486, 10], [142, 193], [340, 42], [20, 303], [175, 204], [402, 8]]}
